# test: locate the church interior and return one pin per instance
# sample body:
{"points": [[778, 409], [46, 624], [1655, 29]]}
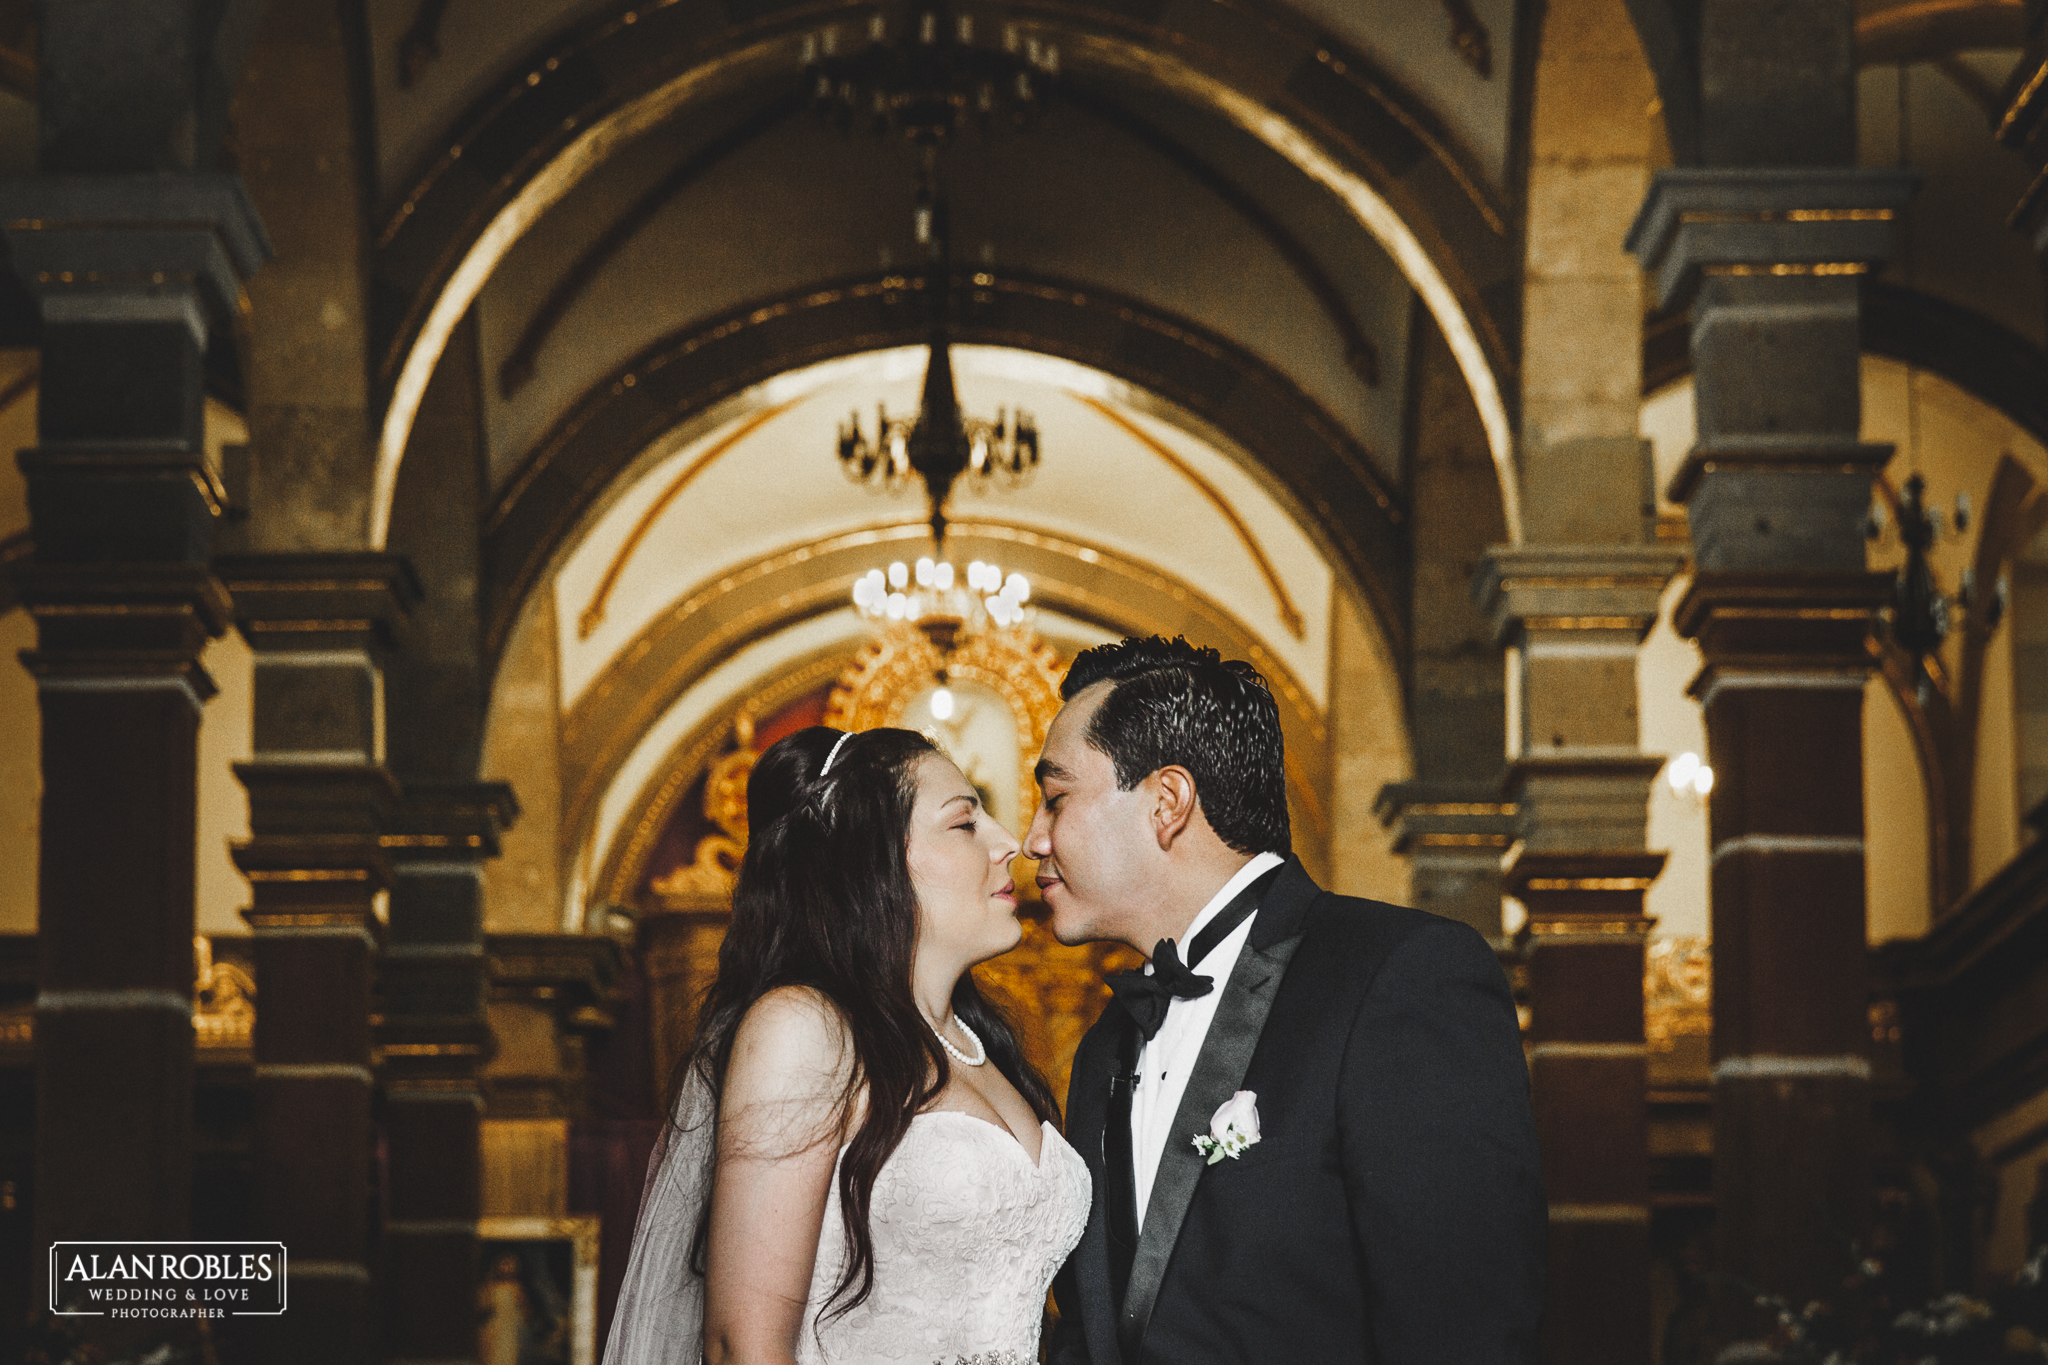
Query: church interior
{"points": [[451, 439]]}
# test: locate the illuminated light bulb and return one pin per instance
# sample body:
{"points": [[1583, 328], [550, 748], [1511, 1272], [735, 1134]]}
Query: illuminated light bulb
{"points": [[942, 704], [942, 577], [898, 605], [998, 609], [1682, 771], [1703, 780], [924, 573], [1017, 587], [974, 575], [863, 592], [899, 575]]}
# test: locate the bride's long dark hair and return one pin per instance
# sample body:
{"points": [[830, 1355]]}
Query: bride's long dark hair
{"points": [[824, 900]]}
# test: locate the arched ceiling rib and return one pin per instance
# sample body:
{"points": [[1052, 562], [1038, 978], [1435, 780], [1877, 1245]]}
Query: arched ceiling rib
{"points": [[619, 736], [1082, 197], [1328, 484], [1317, 110], [1113, 475], [991, 182], [435, 62]]}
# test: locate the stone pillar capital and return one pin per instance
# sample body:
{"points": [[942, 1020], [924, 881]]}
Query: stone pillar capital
{"points": [[310, 602], [1446, 819], [105, 625], [1582, 895], [443, 820], [1765, 221], [1782, 622], [435, 1033], [574, 981], [313, 859], [1605, 588], [134, 248], [1581, 799]]}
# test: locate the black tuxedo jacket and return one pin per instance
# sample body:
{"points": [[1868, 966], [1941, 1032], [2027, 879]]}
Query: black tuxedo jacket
{"points": [[1393, 1210]]}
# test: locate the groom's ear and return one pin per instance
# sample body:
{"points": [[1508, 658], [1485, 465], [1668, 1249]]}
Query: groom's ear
{"points": [[1174, 804]]}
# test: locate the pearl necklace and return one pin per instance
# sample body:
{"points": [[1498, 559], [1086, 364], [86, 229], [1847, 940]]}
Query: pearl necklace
{"points": [[957, 1054]]}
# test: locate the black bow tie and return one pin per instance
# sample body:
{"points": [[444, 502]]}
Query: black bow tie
{"points": [[1146, 998]]}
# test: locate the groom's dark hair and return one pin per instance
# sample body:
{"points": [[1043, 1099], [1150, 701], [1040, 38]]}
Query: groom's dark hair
{"points": [[1178, 704]]}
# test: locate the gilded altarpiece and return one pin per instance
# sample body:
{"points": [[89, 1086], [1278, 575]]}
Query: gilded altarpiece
{"points": [[1003, 685]]}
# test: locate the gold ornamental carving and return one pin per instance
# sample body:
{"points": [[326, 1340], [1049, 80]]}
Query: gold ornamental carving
{"points": [[890, 671], [707, 879], [1678, 1008], [223, 1000]]}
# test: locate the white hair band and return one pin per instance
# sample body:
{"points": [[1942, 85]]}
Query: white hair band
{"points": [[835, 753]]}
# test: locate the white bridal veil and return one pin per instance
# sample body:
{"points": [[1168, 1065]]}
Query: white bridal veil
{"points": [[659, 1319]]}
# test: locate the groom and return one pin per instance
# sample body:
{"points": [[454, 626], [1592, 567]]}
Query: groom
{"points": [[1377, 1197]]}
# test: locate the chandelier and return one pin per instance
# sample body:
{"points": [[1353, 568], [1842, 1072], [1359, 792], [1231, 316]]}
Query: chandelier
{"points": [[1921, 616], [949, 610], [939, 601], [926, 80], [924, 77], [940, 444]]}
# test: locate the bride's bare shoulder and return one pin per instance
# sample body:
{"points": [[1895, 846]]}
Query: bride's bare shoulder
{"points": [[798, 1018], [792, 1043]]}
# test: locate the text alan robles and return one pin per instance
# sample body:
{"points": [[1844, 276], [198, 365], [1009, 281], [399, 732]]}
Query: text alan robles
{"points": [[167, 1279]]}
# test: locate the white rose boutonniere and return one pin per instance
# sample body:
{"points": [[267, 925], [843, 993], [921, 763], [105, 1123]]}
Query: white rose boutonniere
{"points": [[1232, 1128]]}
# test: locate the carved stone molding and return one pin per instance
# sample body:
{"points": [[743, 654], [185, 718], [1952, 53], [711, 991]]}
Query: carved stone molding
{"points": [[1527, 588], [1787, 222]]}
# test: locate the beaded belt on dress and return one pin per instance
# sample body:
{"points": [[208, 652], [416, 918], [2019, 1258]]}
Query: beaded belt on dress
{"points": [[987, 1358]]}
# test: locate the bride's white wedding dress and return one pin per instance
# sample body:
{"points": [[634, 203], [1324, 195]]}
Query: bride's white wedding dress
{"points": [[968, 1233]]}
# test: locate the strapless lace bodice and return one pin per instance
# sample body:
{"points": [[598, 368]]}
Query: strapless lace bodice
{"points": [[968, 1234]]}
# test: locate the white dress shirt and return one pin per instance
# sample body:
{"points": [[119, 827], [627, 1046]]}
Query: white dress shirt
{"points": [[1165, 1063]]}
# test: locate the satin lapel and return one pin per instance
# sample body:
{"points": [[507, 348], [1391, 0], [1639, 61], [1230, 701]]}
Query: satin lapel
{"points": [[1219, 1072], [1087, 1101]]}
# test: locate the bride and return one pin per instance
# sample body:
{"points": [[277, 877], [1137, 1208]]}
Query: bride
{"points": [[861, 1165]]}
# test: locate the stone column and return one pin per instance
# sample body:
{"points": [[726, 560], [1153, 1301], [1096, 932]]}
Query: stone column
{"points": [[435, 981], [326, 613], [1571, 603], [320, 799], [432, 1038], [1449, 820], [131, 274], [1453, 835], [1777, 488], [1572, 617]]}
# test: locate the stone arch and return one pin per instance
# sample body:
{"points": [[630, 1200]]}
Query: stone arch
{"points": [[1338, 122], [749, 603], [1330, 481]]}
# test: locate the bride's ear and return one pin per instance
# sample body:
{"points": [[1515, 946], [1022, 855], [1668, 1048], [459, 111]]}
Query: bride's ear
{"points": [[1174, 804]]}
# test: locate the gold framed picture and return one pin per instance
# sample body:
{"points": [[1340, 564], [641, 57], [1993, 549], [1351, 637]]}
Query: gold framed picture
{"points": [[537, 1298]]}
